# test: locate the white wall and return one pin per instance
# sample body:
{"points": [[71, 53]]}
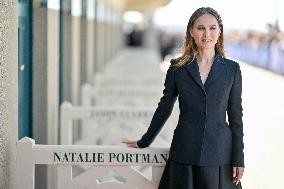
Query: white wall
{"points": [[8, 91]]}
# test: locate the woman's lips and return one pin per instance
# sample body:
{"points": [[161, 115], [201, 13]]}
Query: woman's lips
{"points": [[206, 40]]}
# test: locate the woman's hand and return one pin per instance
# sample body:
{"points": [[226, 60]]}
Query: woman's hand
{"points": [[237, 174], [132, 144]]}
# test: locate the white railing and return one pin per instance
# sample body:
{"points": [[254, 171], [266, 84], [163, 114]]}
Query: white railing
{"points": [[132, 96], [108, 167], [117, 76], [110, 125], [127, 82], [130, 73]]}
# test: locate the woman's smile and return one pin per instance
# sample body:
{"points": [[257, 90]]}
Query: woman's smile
{"points": [[206, 40]]}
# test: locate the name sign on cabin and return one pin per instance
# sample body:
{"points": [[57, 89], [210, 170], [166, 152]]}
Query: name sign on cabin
{"points": [[109, 158]]}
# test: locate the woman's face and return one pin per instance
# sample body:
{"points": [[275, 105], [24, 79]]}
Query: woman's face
{"points": [[205, 31]]}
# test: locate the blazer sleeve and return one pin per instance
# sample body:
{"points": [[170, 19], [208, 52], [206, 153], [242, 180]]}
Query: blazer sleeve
{"points": [[164, 109], [235, 114]]}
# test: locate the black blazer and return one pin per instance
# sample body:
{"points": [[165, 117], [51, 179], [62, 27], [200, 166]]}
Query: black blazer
{"points": [[203, 136]]}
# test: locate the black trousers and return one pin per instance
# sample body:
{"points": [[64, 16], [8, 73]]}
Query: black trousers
{"points": [[184, 176]]}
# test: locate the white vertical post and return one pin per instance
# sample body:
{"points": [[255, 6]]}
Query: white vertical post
{"points": [[86, 95], [24, 165], [52, 81], [66, 134], [76, 12], [91, 8]]}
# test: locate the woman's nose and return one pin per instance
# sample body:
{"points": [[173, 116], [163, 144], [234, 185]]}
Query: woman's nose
{"points": [[206, 33]]}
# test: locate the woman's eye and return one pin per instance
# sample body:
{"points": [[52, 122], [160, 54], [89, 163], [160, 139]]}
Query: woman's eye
{"points": [[213, 28], [200, 28]]}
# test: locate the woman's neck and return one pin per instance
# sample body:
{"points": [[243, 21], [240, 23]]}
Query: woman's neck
{"points": [[206, 56]]}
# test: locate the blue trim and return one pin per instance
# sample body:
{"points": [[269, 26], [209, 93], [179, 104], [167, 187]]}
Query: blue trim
{"points": [[61, 42], [25, 68]]}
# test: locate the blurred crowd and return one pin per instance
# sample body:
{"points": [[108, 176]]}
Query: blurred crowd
{"points": [[135, 37], [169, 42], [264, 49]]}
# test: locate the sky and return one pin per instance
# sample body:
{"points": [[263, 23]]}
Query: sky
{"points": [[236, 14]]}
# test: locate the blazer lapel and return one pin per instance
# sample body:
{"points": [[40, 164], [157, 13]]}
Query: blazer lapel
{"points": [[193, 70], [216, 69]]}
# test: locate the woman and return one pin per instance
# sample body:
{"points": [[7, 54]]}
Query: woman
{"points": [[206, 152]]}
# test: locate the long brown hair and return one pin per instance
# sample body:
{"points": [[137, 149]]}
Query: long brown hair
{"points": [[189, 49]]}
